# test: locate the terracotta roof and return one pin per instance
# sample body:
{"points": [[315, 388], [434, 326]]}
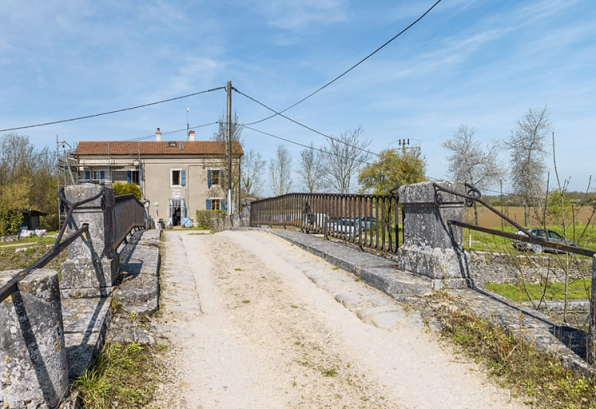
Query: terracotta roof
{"points": [[154, 148]]}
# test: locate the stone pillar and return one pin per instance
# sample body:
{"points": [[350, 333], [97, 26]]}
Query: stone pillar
{"points": [[33, 364], [431, 246], [92, 266], [592, 329]]}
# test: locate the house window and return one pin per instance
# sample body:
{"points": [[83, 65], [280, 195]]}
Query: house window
{"points": [[216, 204], [133, 176], [178, 177], [215, 177], [99, 174]]}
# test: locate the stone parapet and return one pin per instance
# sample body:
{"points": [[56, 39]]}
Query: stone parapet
{"points": [[93, 265], [432, 247], [33, 363]]}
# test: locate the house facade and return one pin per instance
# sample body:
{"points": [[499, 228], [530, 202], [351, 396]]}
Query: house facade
{"points": [[177, 178]]}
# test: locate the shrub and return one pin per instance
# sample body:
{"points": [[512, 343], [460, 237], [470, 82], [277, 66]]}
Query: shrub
{"points": [[205, 218], [122, 188], [10, 220]]}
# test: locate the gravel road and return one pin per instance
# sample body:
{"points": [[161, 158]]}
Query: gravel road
{"points": [[255, 322]]}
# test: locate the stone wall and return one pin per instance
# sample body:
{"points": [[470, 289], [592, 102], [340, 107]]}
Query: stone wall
{"points": [[508, 268]]}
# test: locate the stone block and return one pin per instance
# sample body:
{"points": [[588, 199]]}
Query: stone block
{"points": [[84, 274], [435, 263], [33, 360], [425, 221]]}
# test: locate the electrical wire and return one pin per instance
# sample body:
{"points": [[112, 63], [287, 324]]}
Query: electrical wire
{"points": [[111, 112], [301, 144], [302, 125], [351, 68], [140, 138]]}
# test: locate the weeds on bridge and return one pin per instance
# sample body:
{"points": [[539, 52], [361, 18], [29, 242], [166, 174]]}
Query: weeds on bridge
{"points": [[121, 377], [541, 380]]}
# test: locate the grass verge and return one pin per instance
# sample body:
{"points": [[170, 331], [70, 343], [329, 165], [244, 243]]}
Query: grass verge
{"points": [[121, 377], [540, 380]]}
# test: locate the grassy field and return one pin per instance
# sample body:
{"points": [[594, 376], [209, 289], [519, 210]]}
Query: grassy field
{"points": [[18, 255], [584, 235], [555, 291]]}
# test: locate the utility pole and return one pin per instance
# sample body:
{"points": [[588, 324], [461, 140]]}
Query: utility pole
{"points": [[229, 149]]}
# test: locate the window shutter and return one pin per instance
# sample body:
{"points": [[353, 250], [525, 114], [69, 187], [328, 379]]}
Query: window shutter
{"points": [[209, 178], [208, 206], [222, 178], [129, 176], [87, 174], [183, 177], [102, 175], [223, 204], [140, 176]]}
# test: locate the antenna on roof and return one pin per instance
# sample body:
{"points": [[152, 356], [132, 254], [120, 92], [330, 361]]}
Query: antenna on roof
{"points": [[187, 127]]}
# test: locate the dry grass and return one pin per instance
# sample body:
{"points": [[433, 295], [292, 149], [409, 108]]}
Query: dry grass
{"points": [[540, 380]]}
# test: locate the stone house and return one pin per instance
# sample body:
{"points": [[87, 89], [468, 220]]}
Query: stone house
{"points": [[177, 178]]}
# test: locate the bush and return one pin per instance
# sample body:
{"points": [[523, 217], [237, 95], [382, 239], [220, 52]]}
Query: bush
{"points": [[122, 188], [205, 218], [10, 220]]}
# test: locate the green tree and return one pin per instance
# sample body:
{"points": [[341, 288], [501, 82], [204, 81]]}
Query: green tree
{"points": [[393, 168], [10, 220], [28, 178], [122, 188]]}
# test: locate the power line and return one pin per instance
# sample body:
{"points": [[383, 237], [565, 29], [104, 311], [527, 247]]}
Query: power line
{"points": [[302, 125], [301, 144], [171, 132], [111, 112], [351, 68]]}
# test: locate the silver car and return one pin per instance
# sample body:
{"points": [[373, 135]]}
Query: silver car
{"points": [[544, 234]]}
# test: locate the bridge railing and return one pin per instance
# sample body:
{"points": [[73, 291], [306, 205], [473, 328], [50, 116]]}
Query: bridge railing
{"points": [[370, 221], [59, 245], [473, 195], [31, 307], [129, 213]]}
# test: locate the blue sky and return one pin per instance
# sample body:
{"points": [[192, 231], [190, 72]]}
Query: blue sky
{"points": [[480, 63]]}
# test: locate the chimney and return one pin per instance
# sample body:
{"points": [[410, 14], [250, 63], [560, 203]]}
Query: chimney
{"points": [[158, 135], [191, 135]]}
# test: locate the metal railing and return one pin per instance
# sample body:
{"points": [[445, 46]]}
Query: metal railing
{"points": [[366, 220], [474, 195], [129, 213], [59, 245]]}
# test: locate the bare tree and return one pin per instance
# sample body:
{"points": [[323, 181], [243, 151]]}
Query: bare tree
{"points": [[222, 129], [528, 150], [311, 169], [252, 174], [469, 163], [344, 156], [280, 170]]}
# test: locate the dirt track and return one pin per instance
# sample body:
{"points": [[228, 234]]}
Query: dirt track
{"points": [[248, 329]]}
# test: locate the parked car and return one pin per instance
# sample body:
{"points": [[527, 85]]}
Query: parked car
{"points": [[367, 222], [347, 226], [543, 234]]}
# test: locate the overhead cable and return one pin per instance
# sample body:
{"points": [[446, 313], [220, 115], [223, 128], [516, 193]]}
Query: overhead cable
{"points": [[302, 125], [301, 144], [351, 68], [171, 132], [111, 112]]}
